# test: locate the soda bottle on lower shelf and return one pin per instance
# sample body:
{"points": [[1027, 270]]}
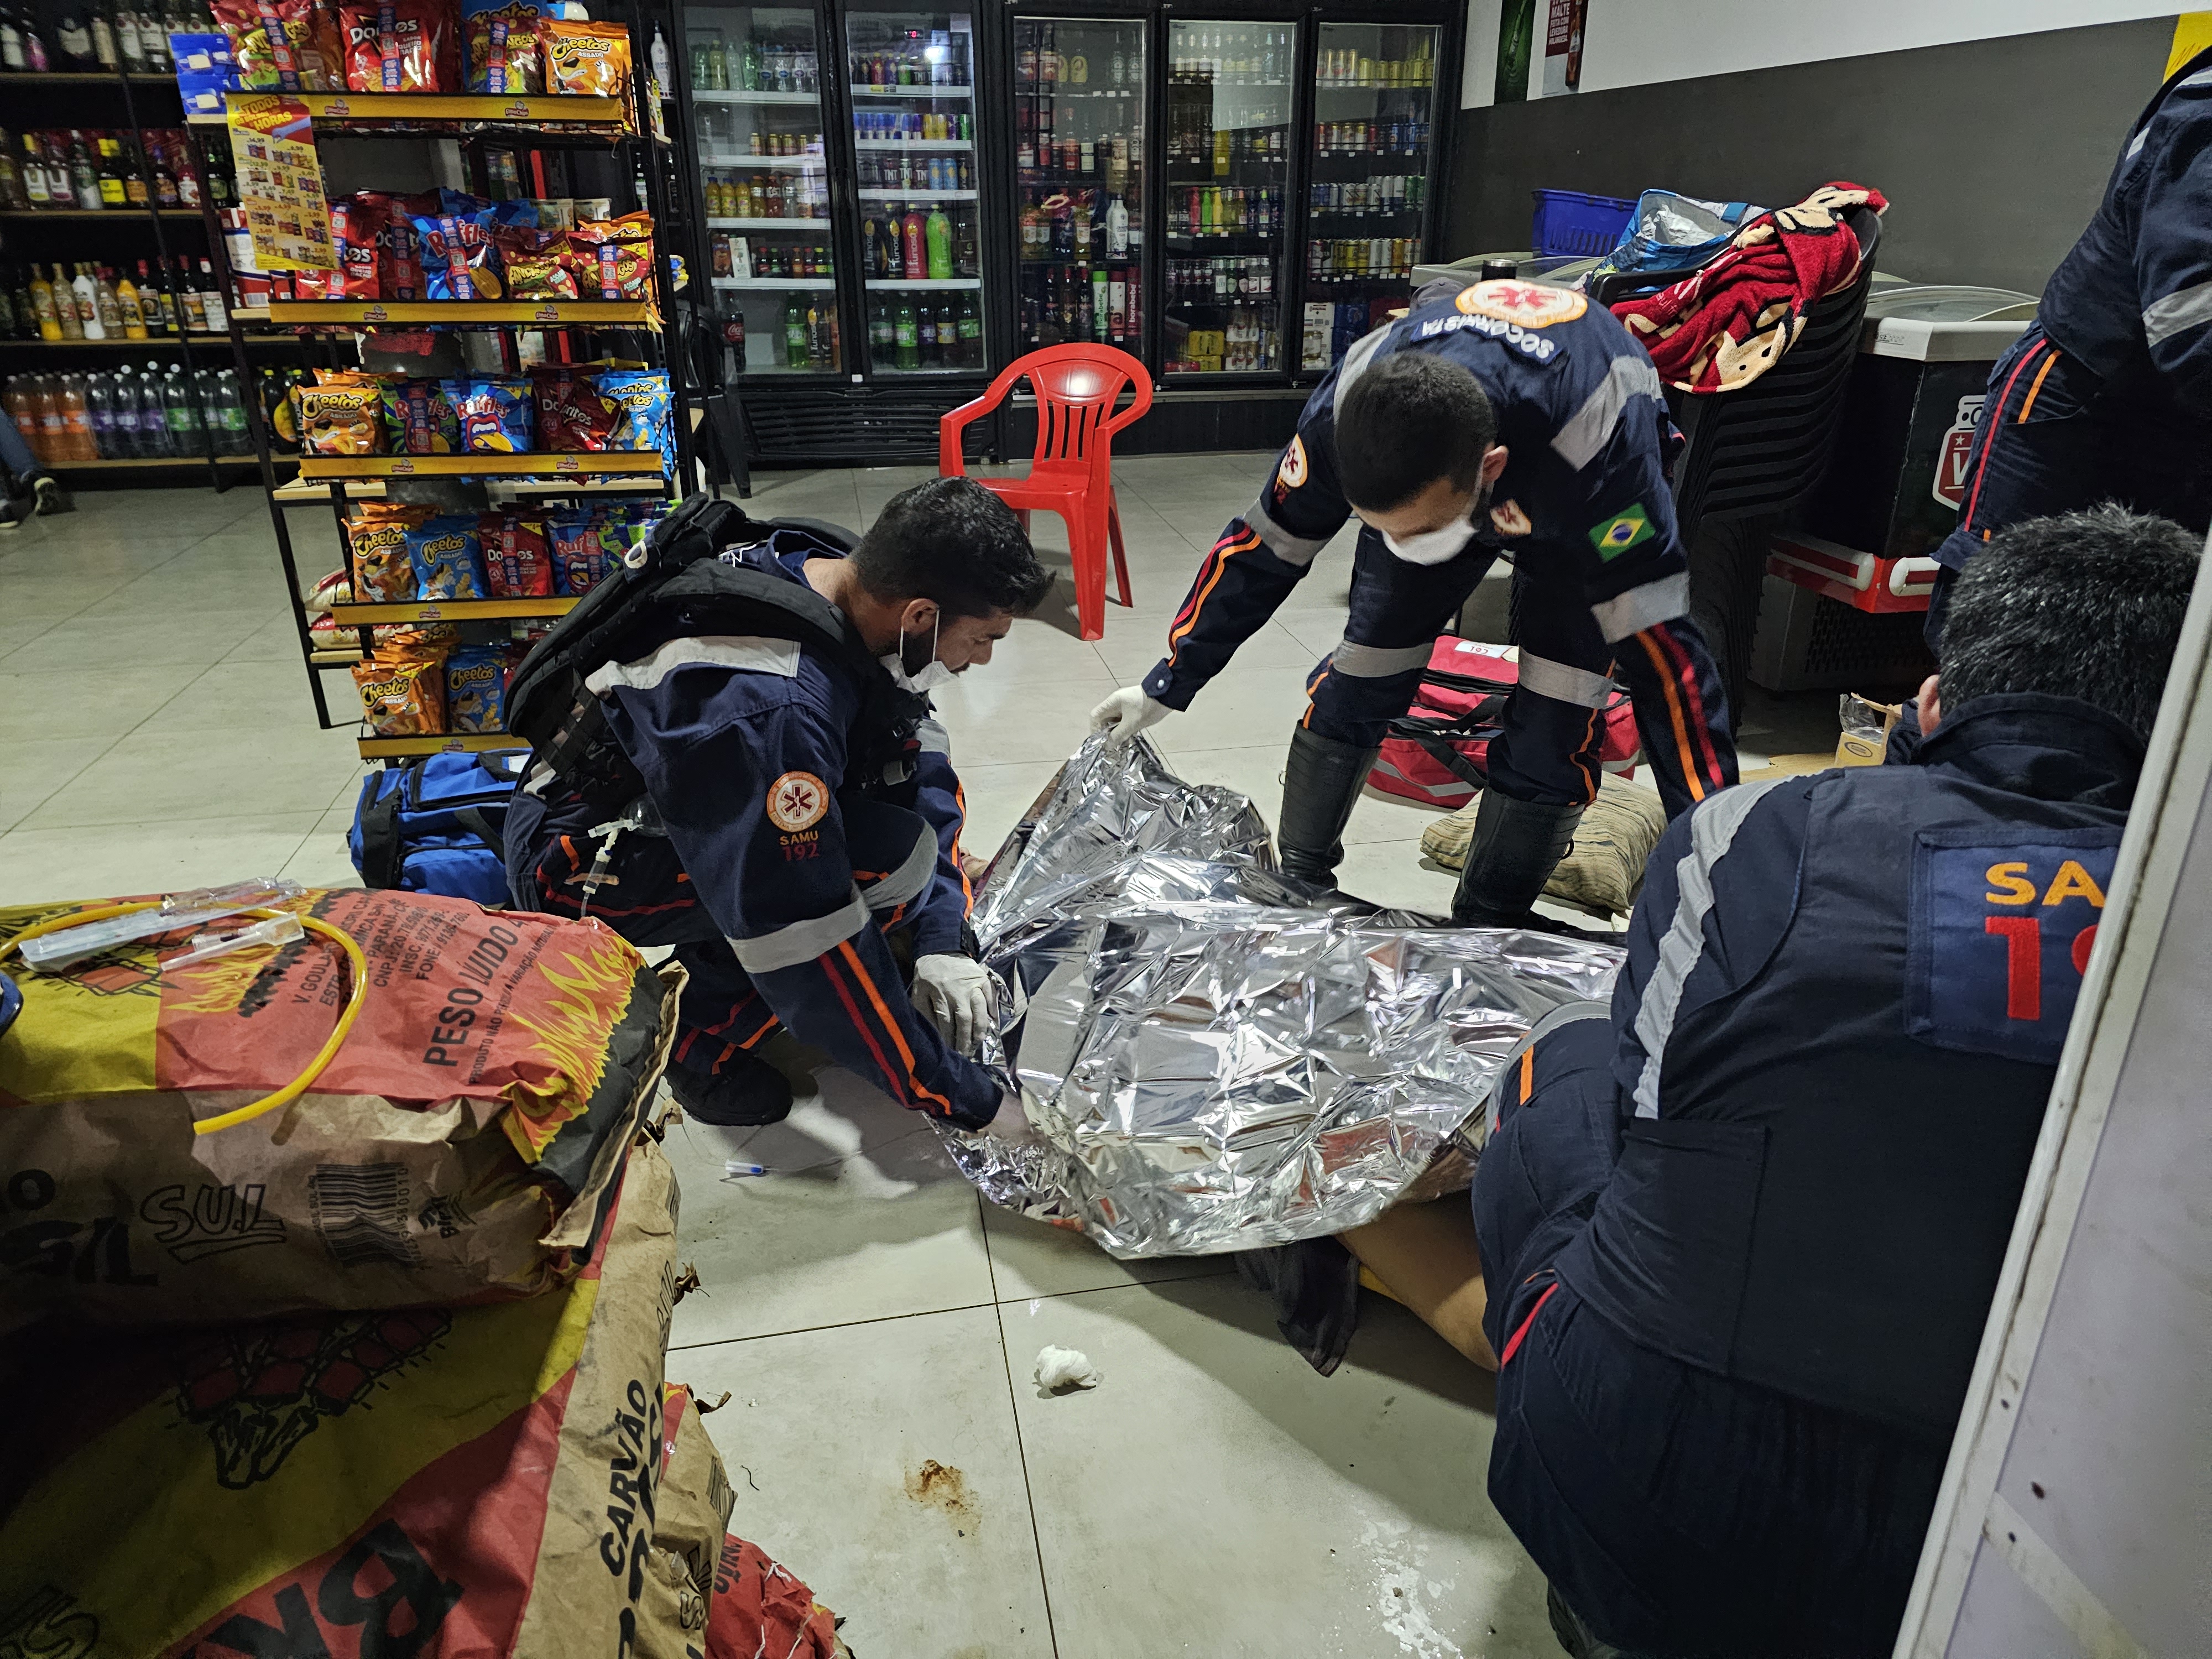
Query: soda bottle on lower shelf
{"points": [[794, 335], [237, 429], [76, 421], [122, 415], [152, 416], [99, 411], [906, 337], [187, 436], [883, 334]]}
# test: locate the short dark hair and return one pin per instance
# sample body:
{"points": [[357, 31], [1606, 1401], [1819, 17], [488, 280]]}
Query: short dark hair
{"points": [[953, 541], [1405, 421], [2082, 605]]}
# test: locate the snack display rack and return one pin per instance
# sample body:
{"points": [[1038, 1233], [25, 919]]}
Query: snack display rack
{"points": [[122, 101], [527, 126]]}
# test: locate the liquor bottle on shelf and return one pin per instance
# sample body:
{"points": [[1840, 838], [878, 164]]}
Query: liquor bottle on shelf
{"points": [[46, 307]]}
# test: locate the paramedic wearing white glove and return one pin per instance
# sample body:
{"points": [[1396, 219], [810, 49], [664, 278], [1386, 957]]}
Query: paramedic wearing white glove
{"points": [[1511, 417], [953, 993], [1126, 712]]}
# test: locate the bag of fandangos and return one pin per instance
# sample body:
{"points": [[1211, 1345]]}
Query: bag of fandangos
{"points": [[435, 1483], [460, 1146]]}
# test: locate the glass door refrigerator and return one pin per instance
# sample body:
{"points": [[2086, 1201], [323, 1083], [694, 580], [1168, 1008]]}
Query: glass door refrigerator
{"points": [[757, 101], [1373, 158], [916, 194], [1225, 228], [1079, 181]]}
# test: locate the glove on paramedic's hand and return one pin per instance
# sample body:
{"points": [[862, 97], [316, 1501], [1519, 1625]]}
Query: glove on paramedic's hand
{"points": [[954, 993], [1126, 712]]}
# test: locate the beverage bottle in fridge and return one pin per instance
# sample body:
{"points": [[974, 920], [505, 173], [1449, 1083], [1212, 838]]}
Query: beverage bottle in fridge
{"points": [[970, 327], [906, 337], [85, 295], [109, 308], [926, 326], [99, 414], [45, 306], [883, 334], [914, 243], [794, 335], [938, 230], [186, 435], [76, 421]]}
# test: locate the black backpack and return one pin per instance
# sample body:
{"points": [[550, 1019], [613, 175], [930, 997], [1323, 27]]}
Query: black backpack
{"points": [[675, 583]]}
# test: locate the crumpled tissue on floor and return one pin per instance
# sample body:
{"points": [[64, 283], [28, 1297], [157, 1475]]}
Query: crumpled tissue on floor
{"points": [[1065, 1368], [1210, 1064]]}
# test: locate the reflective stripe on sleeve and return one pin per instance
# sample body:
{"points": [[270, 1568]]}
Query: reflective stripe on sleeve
{"points": [[935, 739], [748, 653], [802, 941], [1643, 607], [1712, 832], [1563, 683], [1291, 550], [2191, 308], [903, 885], [1589, 428], [1377, 662], [1355, 364]]}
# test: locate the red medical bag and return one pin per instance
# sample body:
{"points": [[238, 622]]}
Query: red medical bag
{"points": [[1436, 750]]}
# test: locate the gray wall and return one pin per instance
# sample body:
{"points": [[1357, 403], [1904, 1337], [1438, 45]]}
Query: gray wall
{"points": [[1993, 153]]}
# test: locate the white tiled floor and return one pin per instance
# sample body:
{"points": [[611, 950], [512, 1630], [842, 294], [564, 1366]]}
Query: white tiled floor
{"points": [[867, 1312]]}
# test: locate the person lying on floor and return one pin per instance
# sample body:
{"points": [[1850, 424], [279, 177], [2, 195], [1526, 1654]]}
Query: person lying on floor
{"points": [[1733, 1242], [804, 812]]}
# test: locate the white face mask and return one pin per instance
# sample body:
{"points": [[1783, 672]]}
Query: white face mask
{"points": [[1435, 546], [925, 679]]}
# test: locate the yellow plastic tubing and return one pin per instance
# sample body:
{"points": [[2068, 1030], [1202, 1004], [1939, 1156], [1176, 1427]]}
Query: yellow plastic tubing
{"points": [[299, 1084]]}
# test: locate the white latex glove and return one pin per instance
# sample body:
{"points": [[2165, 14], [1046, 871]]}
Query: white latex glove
{"points": [[953, 993], [1126, 712], [1011, 1125]]}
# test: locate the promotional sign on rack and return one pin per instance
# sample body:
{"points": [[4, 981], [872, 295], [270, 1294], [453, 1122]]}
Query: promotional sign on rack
{"points": [[280, 183]]}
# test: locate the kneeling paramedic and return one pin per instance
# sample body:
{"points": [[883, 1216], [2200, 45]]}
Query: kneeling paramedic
{"points": [[1734, 1241], [1517, 418], [734, 755]]}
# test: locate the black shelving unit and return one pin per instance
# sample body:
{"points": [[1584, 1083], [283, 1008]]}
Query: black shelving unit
{"points": [[133, 103], [540, 131]]}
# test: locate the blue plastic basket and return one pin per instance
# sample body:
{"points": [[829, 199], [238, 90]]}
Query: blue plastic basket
{"points": [[1570, 223]]}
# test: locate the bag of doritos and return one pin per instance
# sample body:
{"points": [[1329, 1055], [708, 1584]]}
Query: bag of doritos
{"points": [[400, 45], [573, 416], [356, 227], [506, 52], [517, 565]]}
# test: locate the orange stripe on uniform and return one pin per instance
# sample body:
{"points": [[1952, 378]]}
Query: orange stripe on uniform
{"points": [[1528, 1072], [898, 1037], [2037, 386], [1675, 714], [960, 801], [1244, 544]]}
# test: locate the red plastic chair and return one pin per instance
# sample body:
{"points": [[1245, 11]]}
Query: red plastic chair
{"points": [[1073, 471]]}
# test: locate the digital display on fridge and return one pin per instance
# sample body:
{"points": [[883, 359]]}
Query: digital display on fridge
{"points": [[913, 95]]}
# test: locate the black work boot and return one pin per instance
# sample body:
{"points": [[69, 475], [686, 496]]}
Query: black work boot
{"points": [[1516, 846], [745, 1091], [1321, 783]]}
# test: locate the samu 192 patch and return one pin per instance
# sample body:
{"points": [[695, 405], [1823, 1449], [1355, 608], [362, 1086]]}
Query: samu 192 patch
{"points": [[1292, 472], [1622, 531], [2000, 932]]}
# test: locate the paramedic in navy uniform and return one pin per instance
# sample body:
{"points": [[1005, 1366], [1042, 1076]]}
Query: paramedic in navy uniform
{"points": [[784, 872], [1732, 1240], [1512, 417], [2107, 396]]}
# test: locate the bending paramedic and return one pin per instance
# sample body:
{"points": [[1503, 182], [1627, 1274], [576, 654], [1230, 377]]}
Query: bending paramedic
{"points": [[1513, 417]]}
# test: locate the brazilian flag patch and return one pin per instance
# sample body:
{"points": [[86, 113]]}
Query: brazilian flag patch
{"points": [[1617, 535]]}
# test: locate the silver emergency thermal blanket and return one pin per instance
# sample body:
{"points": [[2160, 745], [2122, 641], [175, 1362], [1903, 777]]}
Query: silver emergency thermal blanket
{"points": [[1210, 1062]]}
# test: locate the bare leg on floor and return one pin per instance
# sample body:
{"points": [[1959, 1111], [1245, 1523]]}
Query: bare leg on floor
{"points": [[1427, 1254]]}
